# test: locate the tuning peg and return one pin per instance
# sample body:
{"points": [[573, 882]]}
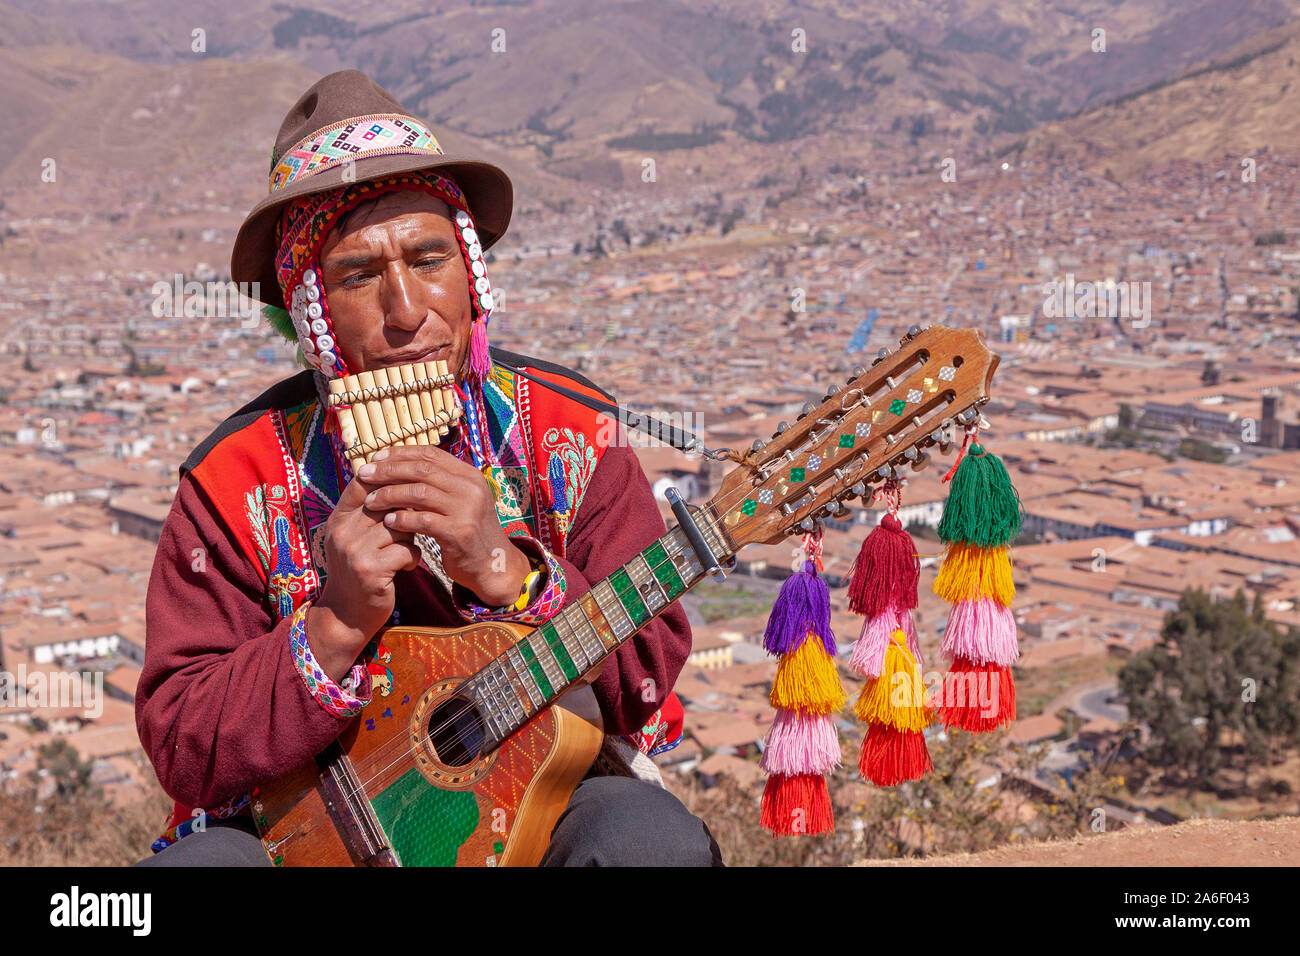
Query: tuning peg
{"points": [[834, 389], [859, 490], [883, 471], [911, 454], [921, 461], [913, 332], [807, 407], [782, 427], [807, 524], [884, 353], [758, 444], [858, 371]]}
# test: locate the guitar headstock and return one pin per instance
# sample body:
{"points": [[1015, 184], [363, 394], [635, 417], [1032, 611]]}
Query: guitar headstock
{"points": [[875, 426]]}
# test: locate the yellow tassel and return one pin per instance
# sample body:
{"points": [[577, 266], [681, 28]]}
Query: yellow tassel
{"points": [[970, 572], [807, 681], [897, 696]]}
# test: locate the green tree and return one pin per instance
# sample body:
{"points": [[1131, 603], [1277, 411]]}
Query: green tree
{"points": [[60, 760], [1214, 684]]}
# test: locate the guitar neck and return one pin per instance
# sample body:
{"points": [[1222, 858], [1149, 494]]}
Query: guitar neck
{"points": [[551, 658]]}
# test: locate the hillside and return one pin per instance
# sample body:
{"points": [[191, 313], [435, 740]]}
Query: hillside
{"points": [[1190, 843], [1243, 101]]}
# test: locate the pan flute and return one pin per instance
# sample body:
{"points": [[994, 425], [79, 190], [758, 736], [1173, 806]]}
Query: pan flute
{"points": [[402, 405]]}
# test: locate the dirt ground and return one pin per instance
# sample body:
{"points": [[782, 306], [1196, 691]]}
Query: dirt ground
{"points": [[1190, 843]]}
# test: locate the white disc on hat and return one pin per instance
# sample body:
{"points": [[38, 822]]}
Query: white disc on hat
{"points": [[314, 310], [309, 277], [477, 267], [471, 237], [313, 293], [485, 300], [481, 285], [319, 327], [325, 343], [462, 218], [476, 251]]}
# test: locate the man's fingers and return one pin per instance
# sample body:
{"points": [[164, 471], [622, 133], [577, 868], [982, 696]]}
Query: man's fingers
{"points": [[414, 497], [423, 464]]}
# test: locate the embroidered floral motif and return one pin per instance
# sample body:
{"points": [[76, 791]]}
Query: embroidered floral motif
{"points": [[571, 464]]}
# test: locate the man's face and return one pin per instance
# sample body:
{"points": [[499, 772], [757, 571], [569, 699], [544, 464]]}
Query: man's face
{"points": [[396, 284]]}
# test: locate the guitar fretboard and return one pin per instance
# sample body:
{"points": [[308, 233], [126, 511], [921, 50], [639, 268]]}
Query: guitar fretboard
{"points": [[529, 676]]}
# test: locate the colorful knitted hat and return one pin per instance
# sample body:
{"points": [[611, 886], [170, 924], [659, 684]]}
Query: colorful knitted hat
{"points": [[305, 224], [347, 129]]}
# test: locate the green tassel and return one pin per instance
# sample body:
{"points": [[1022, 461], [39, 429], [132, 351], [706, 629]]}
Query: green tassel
{"points": [[280, 321], [983, 507]]}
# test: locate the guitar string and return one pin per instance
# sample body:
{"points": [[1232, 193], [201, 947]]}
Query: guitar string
{"points": [[461, 737]]}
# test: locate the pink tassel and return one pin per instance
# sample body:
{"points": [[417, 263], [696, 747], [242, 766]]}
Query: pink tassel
{"points": [[801, 744], [981, 630], [479, 361], [868, 658]]}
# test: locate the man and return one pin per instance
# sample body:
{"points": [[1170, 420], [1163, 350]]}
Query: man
{"points": [[277, 565]]}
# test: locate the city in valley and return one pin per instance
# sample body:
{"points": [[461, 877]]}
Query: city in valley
{"points": [[1147, 406]]}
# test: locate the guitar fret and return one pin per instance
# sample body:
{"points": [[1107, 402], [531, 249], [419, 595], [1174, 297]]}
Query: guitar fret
{"points": [[649, 589], [535, 668], [569, 636], [504, 689], [628, 598], [546, 658], [606, 598], [586, 634], [487, 708], [525, 680], [550, 633], [599, 623]]}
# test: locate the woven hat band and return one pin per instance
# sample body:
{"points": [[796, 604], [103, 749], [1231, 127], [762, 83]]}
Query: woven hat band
{"points": [[361, 137]]}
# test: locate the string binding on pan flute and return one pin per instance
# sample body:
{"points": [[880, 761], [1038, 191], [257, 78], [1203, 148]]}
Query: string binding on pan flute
{"points": [[402, 405]]}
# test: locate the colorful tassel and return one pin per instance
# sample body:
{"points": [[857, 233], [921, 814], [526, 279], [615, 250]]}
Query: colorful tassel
{"points": [[480, 362], [970, 571], [807, 680], [978, 696], [897, 696], [886, 570], [981, 630], [797, 806], [891, 756], [802, 607], [981, 517], [802, 746], [883, 587], [983, 507]]}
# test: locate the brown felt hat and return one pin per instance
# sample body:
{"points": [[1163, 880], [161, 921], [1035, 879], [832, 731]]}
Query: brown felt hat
{"points": [[346, 121]]}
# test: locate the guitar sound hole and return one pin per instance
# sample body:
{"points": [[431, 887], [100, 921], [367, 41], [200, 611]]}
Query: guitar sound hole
{"points": [[456, 732]]}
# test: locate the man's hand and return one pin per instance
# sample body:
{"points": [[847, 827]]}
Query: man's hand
{"points": [[425, 490], [361, 558]]}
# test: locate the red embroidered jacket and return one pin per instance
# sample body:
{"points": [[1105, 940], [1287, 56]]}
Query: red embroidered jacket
{"points": [[221, 705]]}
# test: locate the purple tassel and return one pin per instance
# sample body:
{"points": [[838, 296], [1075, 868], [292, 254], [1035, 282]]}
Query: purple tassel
{"points": [[479, 361], [803, 605]]}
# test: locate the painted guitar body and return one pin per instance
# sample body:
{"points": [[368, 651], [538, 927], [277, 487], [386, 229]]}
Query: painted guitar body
{"points": [[497, 810]]}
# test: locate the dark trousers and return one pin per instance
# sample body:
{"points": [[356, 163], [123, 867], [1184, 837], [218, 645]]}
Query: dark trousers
{"points": [[610, 821]]}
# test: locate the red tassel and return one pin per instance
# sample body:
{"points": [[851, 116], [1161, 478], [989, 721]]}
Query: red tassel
{"points": [[884, 574], [967, 686], [890, 757], [797, 806]]}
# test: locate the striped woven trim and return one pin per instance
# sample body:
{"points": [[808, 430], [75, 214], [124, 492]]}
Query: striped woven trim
{"points": [[336, 700], [362, 137]]}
